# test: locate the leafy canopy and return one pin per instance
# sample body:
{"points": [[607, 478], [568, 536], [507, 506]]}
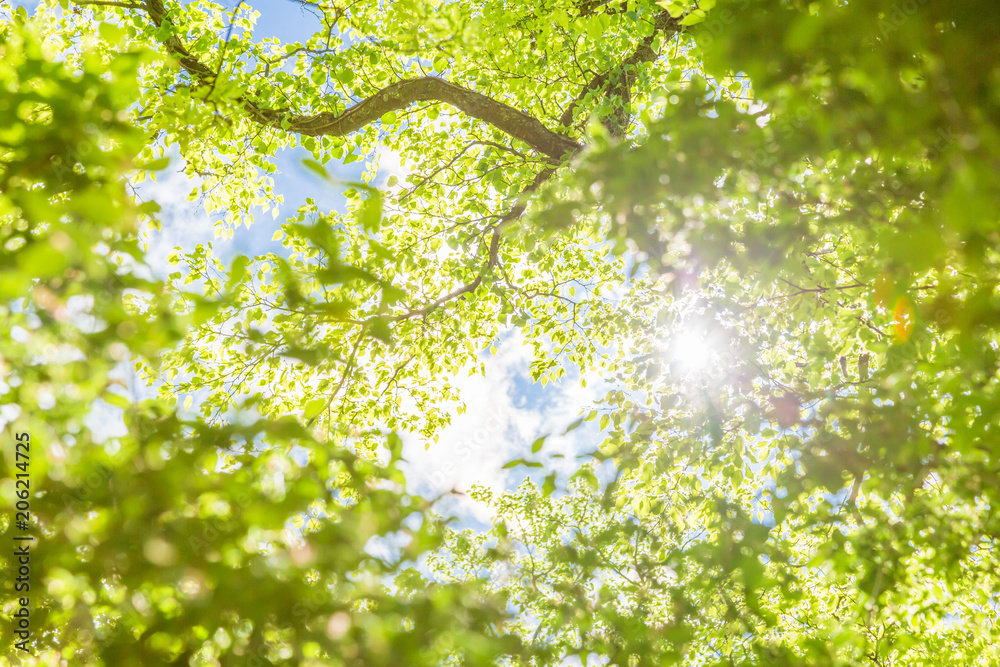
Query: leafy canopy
{"points": [[769, 228]]}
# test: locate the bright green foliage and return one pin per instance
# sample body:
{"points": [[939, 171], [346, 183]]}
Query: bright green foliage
{"points": [[838, 242], [178, 542], [772, 226]]}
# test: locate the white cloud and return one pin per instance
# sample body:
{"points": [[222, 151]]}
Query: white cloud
{"points": [[388, 163], [184, 223], [504, 416]]}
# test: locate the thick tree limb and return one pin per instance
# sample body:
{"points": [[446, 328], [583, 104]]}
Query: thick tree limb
{"points": [[111, 3], [402, 94], [395, 97]]}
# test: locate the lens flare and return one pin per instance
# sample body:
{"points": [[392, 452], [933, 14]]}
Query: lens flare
{"points": [[694, 352]]}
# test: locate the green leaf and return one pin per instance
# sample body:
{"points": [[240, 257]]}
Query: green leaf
{"points": [[371, 211], [316, 168], [549, 485], [155, 165], [693, 18], [379, 328], [521, 462], [313, 407]]}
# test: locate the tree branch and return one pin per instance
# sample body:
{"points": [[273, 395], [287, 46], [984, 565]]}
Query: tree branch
{"points": [[491, 261], [394, 97], [402, 94], [852, 500], [644, 53], [109, 3]]}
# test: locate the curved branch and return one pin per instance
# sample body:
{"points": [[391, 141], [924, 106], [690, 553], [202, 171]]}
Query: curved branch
{"points": [[401, 94], [394, 97], [111, 3]]}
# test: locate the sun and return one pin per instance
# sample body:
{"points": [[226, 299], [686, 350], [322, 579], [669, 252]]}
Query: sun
{"points": [[694, 352]]}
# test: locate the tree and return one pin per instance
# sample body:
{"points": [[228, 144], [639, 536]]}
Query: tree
{"points": [[804, 192], [178, 541]]}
